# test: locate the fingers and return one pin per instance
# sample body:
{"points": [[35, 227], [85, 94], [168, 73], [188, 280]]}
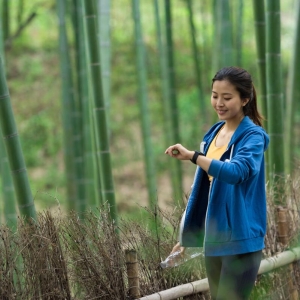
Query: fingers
{"points": [[173, 150], [176, 248]]}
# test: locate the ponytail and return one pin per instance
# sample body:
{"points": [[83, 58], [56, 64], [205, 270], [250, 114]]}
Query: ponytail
{"points": [[250, 109]]}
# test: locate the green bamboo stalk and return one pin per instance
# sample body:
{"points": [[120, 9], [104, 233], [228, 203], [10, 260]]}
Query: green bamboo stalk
{"points": [[197, 63], [8, 192], [85, 188], [164, 74], [105, 48], [239, 33], [216, 34], [225, 27], [208, 43], [274, 93], [67, 92], [100, 118], [92, 197], [177, 177], [292, 98], [5, 20], [14, 151], [143, 102], [92, 154], [223, 52], [71, 120], [2, 47], [260, 34], [165, 86]]}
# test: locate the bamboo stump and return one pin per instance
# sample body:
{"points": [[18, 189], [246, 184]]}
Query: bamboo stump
{"points": [[283, 226], [293, 292], [283, 237], [132, 274]]}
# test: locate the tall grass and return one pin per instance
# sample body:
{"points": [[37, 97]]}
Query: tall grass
{"points": [[64, 257]]}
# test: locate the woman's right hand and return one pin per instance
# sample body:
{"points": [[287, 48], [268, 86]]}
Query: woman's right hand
{"points": [[177, 247], [179, 152]]}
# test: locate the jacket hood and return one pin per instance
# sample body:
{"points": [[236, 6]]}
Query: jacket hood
{"points": [[245, 127]]}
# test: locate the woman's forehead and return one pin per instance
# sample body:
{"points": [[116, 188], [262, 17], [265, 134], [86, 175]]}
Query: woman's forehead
{"points": [[223, 86]]}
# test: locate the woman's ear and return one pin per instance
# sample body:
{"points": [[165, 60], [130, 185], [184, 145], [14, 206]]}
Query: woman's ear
{"points": [[245, 101]]}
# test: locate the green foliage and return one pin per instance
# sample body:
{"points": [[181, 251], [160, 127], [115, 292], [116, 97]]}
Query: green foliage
{"points": [[39, 139], [34, 84]]}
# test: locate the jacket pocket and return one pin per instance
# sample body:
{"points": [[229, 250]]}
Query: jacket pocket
{"points": [[218, 229]]}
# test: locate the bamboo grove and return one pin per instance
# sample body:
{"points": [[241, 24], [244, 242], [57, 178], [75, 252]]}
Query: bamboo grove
{"points": [[86, 68]]}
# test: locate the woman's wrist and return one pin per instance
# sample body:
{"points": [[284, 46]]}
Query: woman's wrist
{"points": [[191, 154], [195, 156]]}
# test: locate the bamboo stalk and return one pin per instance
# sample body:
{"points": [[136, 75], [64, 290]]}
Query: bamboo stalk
{"points": [[166, 96], [8, 192], [9, 201], [293, 292], [260, 35], [66, 98], [99, 110], [5, 20], [274, 96], [176, 164], [267, 265], [2, 48], [283, 237], [14, 151], [197, 63], [239, 33], [292, 99], [89, 181], [283, 226], [76, 111], [143, 103], [224, 52], [132, 273], [105, 49]]}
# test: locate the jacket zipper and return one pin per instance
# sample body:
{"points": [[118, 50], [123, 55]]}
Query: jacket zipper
{"points": [[208, 200]]}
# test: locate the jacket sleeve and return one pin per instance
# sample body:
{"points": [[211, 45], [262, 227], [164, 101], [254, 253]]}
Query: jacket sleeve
{"points": [[245, 163]]}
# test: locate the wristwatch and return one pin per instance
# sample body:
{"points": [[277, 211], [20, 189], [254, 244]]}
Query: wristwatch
{"points": [[195, 156]]}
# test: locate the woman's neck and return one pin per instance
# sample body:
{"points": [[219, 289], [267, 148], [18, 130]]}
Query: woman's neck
{"points": [[232, 125]]}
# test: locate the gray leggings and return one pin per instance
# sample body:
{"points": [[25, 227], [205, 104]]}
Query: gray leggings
{"points": [[232, 277]]}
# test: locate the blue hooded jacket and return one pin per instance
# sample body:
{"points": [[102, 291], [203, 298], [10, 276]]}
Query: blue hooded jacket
{"points": [[228, 216]]}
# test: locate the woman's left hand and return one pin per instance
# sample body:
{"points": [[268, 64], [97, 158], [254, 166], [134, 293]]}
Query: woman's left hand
{"points": [[179, 152]]}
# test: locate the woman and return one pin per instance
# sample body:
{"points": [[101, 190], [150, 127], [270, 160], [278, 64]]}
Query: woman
{"points": [[226, 210]]}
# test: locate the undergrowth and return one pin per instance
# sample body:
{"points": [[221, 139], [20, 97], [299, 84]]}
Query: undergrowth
{"points": [[65, 257]]}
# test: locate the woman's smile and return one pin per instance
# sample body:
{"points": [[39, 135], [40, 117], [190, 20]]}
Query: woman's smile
{"points": [[221, 112]]}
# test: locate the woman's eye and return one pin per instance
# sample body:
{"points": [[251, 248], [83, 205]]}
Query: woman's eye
{"points": [[227, 98]]}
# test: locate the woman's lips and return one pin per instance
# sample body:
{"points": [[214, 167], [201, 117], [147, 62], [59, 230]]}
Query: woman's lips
{"points": [[221, 112]]}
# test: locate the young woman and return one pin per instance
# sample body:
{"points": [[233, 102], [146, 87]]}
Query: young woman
{"points": [[226, 210]]}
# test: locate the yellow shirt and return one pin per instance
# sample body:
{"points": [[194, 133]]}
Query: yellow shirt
{"points": [[215, 152]]}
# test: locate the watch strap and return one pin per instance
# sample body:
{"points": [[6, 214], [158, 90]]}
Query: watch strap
{"points": [[195, 156]]}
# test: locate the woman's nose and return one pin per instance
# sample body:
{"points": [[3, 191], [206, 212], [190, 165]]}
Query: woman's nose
{"points": [[220, 102]]}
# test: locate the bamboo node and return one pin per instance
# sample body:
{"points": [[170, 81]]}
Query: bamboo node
{"points": [[3, 97], [26, 205], [19, 170], [9, 136]]}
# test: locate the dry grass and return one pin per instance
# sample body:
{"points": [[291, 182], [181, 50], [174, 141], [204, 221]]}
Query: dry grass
{"points": [[70, 258]]}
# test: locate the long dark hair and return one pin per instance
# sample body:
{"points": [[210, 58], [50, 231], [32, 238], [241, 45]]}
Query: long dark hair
{"points": [[242, 81]]}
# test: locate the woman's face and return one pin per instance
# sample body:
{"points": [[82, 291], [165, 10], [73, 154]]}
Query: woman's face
{"points": [[226, 101]]}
